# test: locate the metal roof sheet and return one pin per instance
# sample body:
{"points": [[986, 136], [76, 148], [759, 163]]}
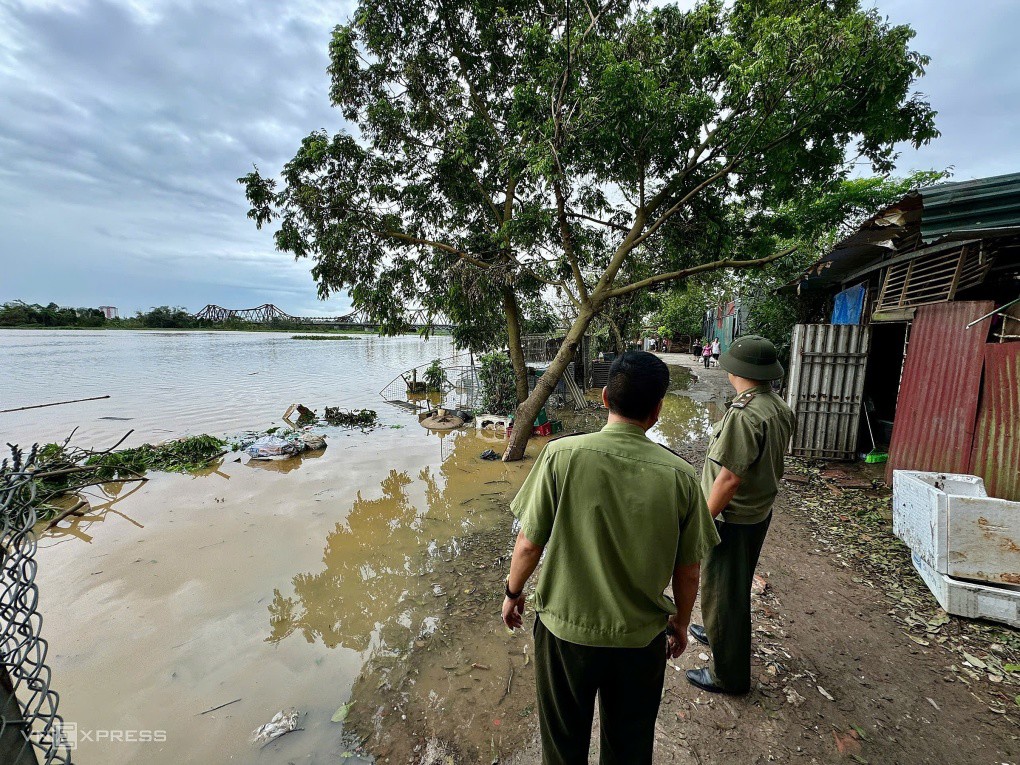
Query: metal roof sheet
{"points": [[938, 400], [970, 205], [873, 240], [996, 453]]}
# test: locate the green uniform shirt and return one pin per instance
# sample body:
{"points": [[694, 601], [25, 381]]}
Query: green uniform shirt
{"points": [[616, 513], [750, 441]]}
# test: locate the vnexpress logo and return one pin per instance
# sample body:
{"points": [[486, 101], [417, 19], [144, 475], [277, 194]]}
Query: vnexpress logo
{"points": [[68, 735], [60, 735]]}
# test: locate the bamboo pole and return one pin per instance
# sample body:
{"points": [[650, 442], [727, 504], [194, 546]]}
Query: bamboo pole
{"points": [[55, 403]]}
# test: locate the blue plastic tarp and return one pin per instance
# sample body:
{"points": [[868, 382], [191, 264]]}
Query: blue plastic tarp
{"points": [[849, 305]]}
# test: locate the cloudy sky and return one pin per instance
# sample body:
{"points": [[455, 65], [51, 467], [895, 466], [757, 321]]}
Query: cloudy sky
{"points": [[123, 124]]}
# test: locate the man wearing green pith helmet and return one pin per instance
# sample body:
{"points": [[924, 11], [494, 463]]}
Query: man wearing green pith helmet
{"points": [[740, 481]]}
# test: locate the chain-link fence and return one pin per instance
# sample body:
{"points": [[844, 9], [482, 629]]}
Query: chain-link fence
{"points": [[31, 731]]}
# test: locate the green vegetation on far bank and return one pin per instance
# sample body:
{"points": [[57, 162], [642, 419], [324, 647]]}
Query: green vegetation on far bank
{"points": [[17, 314], [321, 337]]}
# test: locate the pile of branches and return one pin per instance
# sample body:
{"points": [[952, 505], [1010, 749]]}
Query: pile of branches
{"points": [[351, 418], [56, 471]]}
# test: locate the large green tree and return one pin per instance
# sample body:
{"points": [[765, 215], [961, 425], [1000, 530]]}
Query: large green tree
{"points": [[592, 151]]}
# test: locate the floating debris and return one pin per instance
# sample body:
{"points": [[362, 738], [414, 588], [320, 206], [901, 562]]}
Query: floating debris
{"points": [[305, 415], [278, 444], [281, 724], [272, 448], [351, 418], [441, 420]]}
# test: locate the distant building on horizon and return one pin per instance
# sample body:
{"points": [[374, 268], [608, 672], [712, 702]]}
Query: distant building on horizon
{"points": [[109, 311]]}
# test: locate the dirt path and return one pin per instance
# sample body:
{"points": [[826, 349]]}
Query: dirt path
{"points": [[854, 660]]}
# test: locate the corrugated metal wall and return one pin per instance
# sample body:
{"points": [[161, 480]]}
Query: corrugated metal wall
{"points": [[827, 364], [937, 406], [996, 455]]}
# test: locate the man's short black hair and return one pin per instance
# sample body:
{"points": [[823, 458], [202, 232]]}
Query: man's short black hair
{"points": [[637, 383]]}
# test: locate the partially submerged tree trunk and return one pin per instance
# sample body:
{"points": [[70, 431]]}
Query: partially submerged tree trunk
{"points": [[530, 407]]}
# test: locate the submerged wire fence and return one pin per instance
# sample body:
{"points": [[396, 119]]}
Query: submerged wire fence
{"points": [[461, 389], [31, 730]]}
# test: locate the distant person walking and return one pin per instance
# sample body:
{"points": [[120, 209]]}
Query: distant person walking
{"points": [[740, 481], [715, 349], [706, 354], [621, 517]]}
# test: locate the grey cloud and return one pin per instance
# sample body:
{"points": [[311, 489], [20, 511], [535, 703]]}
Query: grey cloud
{"points": [[139, 123]]}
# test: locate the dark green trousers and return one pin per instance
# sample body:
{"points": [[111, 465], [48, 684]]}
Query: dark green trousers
{"points": [[726, 576], [628, 682]]}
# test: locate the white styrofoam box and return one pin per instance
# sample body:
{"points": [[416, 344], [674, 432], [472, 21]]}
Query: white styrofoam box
{"points": [[948, 520], [970, 599], [496, 421], [921, 511], [984, 533]]}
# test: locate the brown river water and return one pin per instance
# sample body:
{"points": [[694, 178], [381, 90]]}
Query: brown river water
{"points": [[271, 583]]}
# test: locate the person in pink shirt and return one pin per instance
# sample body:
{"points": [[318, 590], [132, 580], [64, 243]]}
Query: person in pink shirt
{"points": [[706, 354]]}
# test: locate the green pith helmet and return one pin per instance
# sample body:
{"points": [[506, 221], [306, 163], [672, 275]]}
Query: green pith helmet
{"points": [[752, 357]]}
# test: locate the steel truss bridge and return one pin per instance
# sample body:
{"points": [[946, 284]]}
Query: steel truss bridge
{"points": [[267, 313]]}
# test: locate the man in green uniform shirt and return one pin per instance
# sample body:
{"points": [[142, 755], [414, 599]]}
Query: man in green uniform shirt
{"points": [[620, 518], [740, 481]]}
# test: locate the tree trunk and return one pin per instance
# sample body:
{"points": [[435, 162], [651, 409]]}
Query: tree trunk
{"points": [[617, 337], [513, 326], [528, 410]]}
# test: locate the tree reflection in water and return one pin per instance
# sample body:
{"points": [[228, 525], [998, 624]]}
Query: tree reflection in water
{"points": [[372, 557]]}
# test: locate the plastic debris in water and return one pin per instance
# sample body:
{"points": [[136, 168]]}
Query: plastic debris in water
{"points": [[282, 722]]}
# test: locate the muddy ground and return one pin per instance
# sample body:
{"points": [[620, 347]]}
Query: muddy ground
{"points": [[854, 660]]}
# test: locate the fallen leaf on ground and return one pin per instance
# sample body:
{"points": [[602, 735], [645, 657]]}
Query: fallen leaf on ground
{"points": [[974, 661], [825, 693]]}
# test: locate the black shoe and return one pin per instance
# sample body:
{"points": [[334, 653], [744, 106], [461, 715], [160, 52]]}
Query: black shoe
{"points": [[702, 678], [698, 633]]}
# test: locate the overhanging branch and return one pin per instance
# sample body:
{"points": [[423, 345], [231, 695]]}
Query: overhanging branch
{"points": [[716, 264]]}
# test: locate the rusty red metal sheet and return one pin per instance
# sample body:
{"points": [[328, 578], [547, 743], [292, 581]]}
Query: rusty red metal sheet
{"points": [[936, 411], [996, 455]]}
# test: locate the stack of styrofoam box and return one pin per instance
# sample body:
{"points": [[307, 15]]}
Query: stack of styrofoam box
{"points": [[963, 543]]}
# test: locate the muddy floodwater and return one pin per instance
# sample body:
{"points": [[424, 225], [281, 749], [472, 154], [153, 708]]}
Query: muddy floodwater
{"points": [[259, 586]]}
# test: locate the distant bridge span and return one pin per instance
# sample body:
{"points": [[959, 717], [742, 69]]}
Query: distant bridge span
{"points": [[415, 318]]}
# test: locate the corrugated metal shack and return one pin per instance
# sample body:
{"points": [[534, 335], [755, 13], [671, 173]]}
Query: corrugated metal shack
{"points": [[931, 285], [724, 323]]}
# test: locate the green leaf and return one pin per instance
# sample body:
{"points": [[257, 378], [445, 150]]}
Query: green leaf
{"points": [[1011, 667], [341, 714]]}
